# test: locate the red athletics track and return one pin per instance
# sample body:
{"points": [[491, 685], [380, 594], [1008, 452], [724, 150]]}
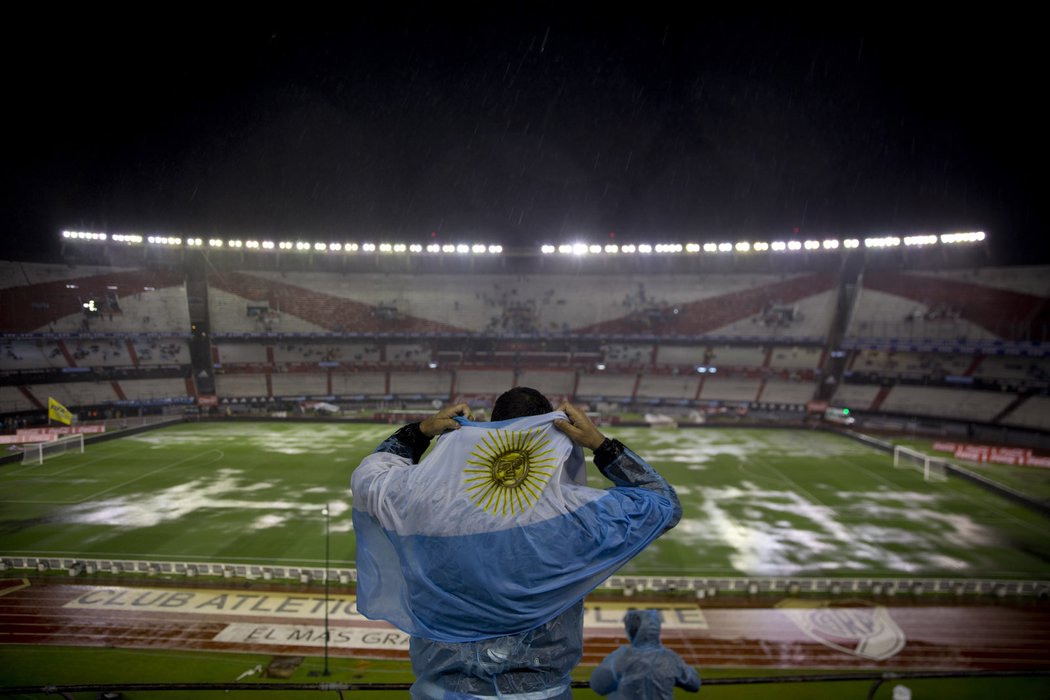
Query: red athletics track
{"points": [[901, 633]]}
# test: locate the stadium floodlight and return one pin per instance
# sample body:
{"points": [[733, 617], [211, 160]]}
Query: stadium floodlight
{"points": [[811, 245], [565, 249], [794, 245], [369, 247], [478, 248], [320, 247], [285, 245], [600, 366], [972, 237], [251, 244], [302, 245], [462, 248], [692, 247], [415, 248], [851, 243], [547, 249], [267, 245], [710, 248], [400, 247], [432, 364], [778, 245], [495, 249], [761, 246], [712, 370], [645, 248], [595, 249], [579, 248], [725, 247], [701, 370], [661, 248], [919, 240], [386, 248], [433, 248], [448, 248], [743, 247], [882, 242], [629, 249], [335, 247], [612, 248], [235, 244], [831, 244]]}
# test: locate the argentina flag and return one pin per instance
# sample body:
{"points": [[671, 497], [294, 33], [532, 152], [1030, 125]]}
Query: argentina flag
{"points": [[493, 533]]}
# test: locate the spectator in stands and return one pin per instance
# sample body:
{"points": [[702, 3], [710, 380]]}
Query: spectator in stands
{"points": [[498, 612], [643, 669]]}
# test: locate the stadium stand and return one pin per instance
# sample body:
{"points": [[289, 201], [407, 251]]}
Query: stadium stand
{"points": [[956, 344], [933, 401], [1033, 413], [668, 387], [724, 388]]}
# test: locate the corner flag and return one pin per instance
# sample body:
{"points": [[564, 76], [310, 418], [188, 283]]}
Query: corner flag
{"points": [[58, 412]]}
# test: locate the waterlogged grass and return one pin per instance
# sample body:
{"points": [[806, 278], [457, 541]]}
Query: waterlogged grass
{"points": [[755, 502]]}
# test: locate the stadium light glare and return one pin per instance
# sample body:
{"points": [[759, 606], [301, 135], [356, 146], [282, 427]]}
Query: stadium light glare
{"points": [[882, 242], [600, 366], [811, 245], [462, 248], [971, 237], [67, 234], [448, 248], [433, 248], [400, 247], [579, 248], [712, 370], [285, 245], [692, 247], [415, 248], [335, 247], [369, 247], [478, 248], [851, 243], [761, 246], [919, 240], [743, 247], [630, 248], [214, 242], [725, 247], [830, 244], [495, 249], [778, 245], [710, 248], [612, 249], [320, 246], [302, 245], [251, 244], [794, 245], [235, 244], [645, 248], [267, 245], [547, 249], [702, 370], [595, 249], [386, 248]]}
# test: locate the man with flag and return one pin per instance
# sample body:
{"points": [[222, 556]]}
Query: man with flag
{"points": [[484, 550]]}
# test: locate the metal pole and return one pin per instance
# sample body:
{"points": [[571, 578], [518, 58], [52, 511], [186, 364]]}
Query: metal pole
{"points": [[327, 510]]}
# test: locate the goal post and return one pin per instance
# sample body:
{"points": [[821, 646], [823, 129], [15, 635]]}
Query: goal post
{"points": [[37, 452], [932, 468]]}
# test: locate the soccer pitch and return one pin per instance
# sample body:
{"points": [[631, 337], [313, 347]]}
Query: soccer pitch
{"points": [[755, 503]]}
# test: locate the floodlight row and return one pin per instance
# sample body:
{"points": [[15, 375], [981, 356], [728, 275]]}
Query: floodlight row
{"points": [[578, 249], [828, 244]]}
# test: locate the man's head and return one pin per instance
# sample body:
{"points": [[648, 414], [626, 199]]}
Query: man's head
{"points": [[519, 402]]}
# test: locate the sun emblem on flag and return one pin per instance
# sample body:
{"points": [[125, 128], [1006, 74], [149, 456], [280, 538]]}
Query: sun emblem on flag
{"points": [[509, 470]]}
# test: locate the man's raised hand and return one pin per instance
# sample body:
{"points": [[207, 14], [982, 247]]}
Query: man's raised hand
{"points": [[442, 421], [579, 427]]}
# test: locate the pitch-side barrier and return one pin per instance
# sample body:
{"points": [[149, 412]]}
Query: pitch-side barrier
{"points": [[696, 586]]}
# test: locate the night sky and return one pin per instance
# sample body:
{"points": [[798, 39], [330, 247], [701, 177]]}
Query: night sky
{"points": [[534, 128]]}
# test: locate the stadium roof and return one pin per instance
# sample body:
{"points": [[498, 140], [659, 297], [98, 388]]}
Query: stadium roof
{"points": [[530, 129]]}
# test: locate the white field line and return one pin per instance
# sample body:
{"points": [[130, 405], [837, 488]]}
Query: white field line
{"points": [[68, 469], [129, 481]]}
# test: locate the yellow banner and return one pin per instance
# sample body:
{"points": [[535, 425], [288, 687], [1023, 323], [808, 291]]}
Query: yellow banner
{"points": [[56, 411]]}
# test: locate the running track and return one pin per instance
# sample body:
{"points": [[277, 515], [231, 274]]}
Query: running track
{"points": [[982, 635]]}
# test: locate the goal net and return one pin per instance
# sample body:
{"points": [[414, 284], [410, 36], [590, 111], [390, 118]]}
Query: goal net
{"points": [[932, 468], [37, 452]]}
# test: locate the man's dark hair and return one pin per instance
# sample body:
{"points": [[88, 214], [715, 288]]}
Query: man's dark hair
{"points": [[519, 402]]}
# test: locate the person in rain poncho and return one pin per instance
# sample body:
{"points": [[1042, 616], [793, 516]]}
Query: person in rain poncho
{"points": [[484, 550], [643, 669]]}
